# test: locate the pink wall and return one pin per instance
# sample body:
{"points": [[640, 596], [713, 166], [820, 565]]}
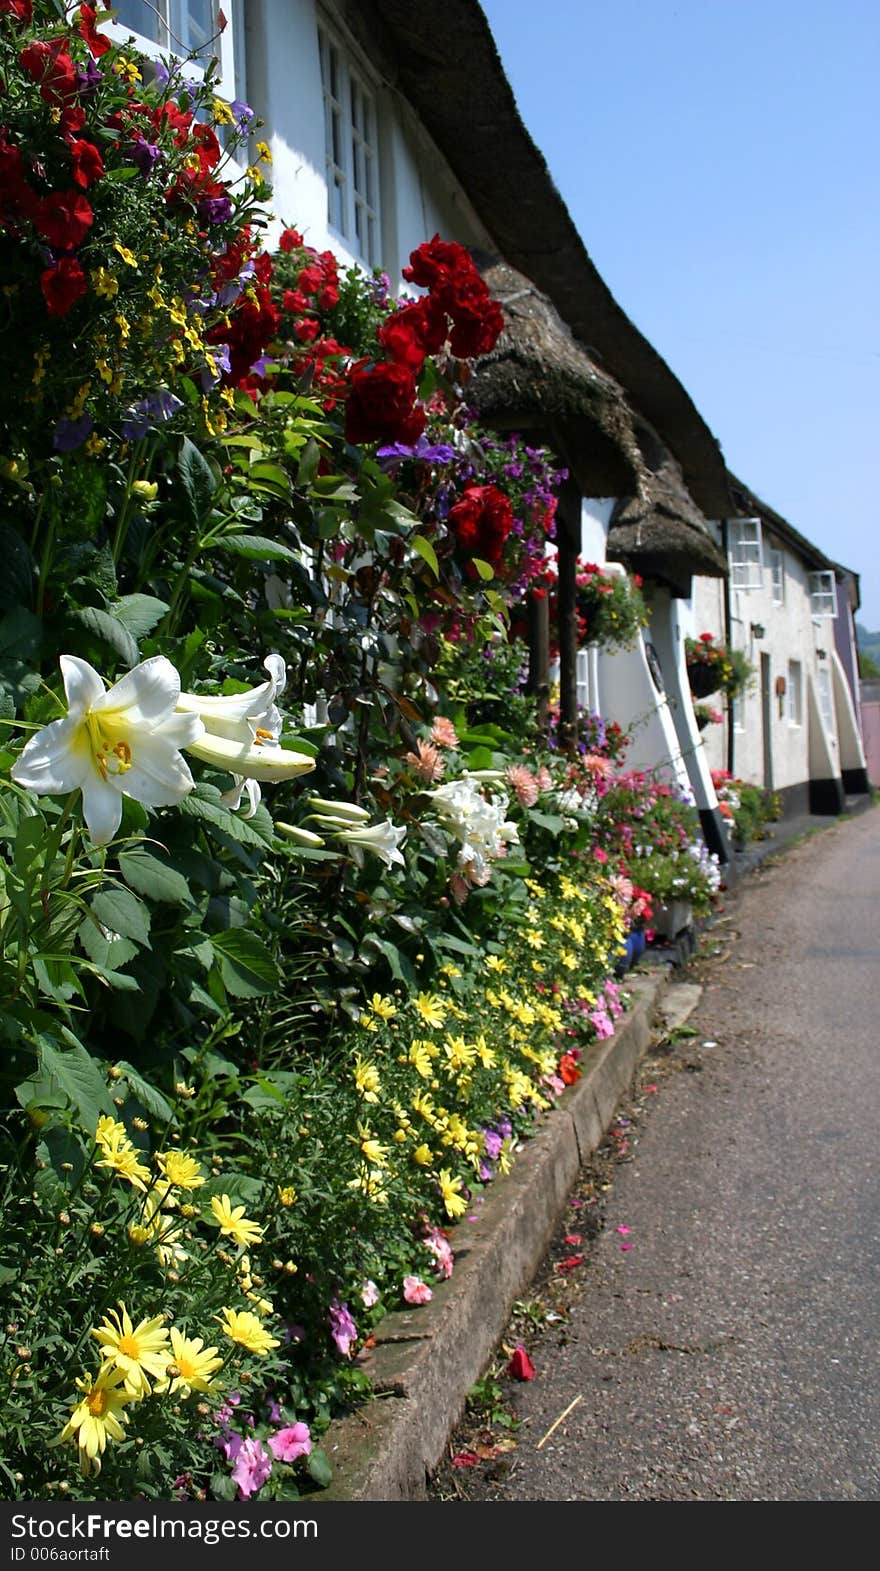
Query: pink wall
{"points": [[871, 737]]}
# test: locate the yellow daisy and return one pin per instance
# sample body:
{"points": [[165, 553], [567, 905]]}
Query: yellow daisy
{"points": [[243, 1327], [431, 1008], [366, 1079], [195, 1365], [450, 1191], [139, 1352], [97, 1417], [180, 1169], [383, 1007], [232, 1222]]}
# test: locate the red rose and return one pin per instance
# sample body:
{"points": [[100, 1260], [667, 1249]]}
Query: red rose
{"points": [[328, 298], [413, 332], [380, 406], [307, 329], [434, 262], [291, 240], [249, 329], [310, 279], [477, 319], [98, 44], [481, 520], [64, 218], [88, 165], [63, 285]]}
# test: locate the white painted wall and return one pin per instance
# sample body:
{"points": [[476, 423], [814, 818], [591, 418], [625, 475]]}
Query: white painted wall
{"points": [[790, 634], [419, 196]]}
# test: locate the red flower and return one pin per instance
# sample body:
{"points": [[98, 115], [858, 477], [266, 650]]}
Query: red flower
{"points": [[50, 65], [63, 285], [381, 406], [481, 520], [477, 318], [291, 240], [521, 1366], [416, 330], [250, 328], [87, 163], [568, 1069], [22, 10], [73, 118], [98, 44], [63, 217], [434, 262]]}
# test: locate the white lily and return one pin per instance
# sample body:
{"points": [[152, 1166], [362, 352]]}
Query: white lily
{"points": [[382, 840], [241, 732], [339, 812], [121, 741], [302, 837]]}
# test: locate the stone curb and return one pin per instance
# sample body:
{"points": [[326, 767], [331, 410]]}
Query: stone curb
{"points": [[426, 1360]]}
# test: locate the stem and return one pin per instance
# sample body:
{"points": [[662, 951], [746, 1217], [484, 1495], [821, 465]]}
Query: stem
{"points": [[122, 524], [46, 561]]}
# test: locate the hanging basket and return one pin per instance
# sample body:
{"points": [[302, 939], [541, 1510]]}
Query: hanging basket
{"points": [[703, 679]]}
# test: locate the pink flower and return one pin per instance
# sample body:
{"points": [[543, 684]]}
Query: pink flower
{"points": [[544, 778], [369, 1294], [440, 1248], [622, 1228], [600, 855], [524, 784], [443, 732], [252, 1468], [287, 1445], [427, 763], [598, 766], [415, 1291], [342, 1328]]}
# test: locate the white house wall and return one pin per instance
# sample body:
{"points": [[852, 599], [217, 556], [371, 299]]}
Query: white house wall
{"points": [[419, 196], [790, 634]]}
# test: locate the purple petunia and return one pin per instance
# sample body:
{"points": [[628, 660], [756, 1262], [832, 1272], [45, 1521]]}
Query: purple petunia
{"points": [[70, 434], [149, 412], [342, 1328]]}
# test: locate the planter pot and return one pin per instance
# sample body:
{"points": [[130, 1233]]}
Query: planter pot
{"points": [[634, 948], [672, 919], [703, 680]]}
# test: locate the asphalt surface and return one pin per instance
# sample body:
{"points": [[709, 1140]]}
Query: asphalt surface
{"points": [[722, 1339]]}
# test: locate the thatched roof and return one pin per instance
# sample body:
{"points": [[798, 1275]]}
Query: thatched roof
{"points": [[538, 376], [443, 61], [661, 532]]}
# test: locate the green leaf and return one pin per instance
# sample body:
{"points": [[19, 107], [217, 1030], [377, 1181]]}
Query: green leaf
{"points": [[19, 567], [21, 634], [121, 912], [108, 954], [139, 613], [426, 552], [108, 630], [255, 547], [151, 875], [198, 482], [308, 464], [152, 1100], [197, 805], [548, 821], [485, 570], [480, 758], [246, 966], [270, 477], [318, 1467], [79, 1078]]}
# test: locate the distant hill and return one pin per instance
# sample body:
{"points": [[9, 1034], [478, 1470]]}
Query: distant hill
{"points": [[869, 648]]}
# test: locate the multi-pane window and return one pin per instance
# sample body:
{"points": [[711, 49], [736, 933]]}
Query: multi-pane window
{"points": [[777, 575], [351, 149], [582, 680], [744, 550], [183, 27], [826, 700], [794, 692], [823, 594]]}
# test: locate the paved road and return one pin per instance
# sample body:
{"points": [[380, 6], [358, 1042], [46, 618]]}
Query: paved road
{"points": [[731, 1352]]}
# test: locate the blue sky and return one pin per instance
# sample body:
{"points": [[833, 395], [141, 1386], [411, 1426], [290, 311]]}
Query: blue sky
{"points": [[720, 159]]}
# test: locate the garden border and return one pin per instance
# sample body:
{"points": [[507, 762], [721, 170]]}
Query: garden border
{"points": [[425, 1360]]}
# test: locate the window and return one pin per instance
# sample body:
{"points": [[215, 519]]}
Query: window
{"points": [[350, 140], [744, 549], [826, 701], [777, 575], [582, 679], [183, 27], [823, 594], [737, 716], [189, 29], [794, 693]]}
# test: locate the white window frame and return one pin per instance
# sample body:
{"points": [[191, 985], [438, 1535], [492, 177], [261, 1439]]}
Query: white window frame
{"points": [[777, 574], [745, 553], [794, 693], [225, 46], [582, 679], [825, 698], [351, 148], [823, 595], [737, 713]]}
